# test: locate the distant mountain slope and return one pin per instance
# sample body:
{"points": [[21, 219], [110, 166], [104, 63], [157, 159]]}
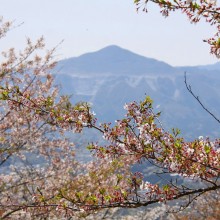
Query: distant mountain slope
{"points": [[114, 60], [113, 76], [215, 66]]}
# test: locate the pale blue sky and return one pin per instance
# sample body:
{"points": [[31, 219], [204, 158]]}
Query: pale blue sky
{"points": [[89, 25]]}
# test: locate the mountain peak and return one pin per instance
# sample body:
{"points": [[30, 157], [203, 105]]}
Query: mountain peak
{"points": [[111, 52], [114, 49], [115, 60]]}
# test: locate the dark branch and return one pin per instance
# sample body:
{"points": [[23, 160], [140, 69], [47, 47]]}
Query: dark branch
{"points": [[197, 98]]}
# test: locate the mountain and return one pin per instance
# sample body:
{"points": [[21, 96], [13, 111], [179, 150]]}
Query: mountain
{"points": [[113, 76], [215, 66], [114, 60]]}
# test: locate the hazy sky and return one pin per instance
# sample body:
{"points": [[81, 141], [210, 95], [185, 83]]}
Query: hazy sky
{"points": [[89, 25]]}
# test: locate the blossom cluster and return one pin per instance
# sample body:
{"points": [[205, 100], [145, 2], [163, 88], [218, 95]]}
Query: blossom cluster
{"points": [[140, 137], [195, 10], [44, 179], [36, 157]]}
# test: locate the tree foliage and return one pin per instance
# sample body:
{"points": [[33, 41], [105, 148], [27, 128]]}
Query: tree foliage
{"points": [[195, 10], [40, 177]]}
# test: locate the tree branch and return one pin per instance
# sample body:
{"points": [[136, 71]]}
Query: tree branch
{"points": [[198, 100]]}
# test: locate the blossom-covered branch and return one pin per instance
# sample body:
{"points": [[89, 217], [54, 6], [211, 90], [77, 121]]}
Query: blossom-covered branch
{"points": [[195, 10]]}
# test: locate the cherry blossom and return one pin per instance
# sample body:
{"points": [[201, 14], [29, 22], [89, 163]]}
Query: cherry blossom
{"points": [[195, 10], [40, 175]]}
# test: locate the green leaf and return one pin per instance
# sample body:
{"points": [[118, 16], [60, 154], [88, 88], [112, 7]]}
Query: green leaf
{"points": [[102, 191], [166, 187], [90, 147], [176, 131], [148, 100], [207, 149], [107, 198], [93, 198], [177, 144], [49, 101], [4, 95]]}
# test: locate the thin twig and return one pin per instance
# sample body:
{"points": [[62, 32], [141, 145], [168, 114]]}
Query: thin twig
{"points": [[197, 98]]}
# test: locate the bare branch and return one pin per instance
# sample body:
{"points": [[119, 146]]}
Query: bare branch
{"points": [[197, 98]]}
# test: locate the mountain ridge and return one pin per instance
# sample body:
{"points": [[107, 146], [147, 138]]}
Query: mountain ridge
{"points": [[110, 77], [114, 59]]}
